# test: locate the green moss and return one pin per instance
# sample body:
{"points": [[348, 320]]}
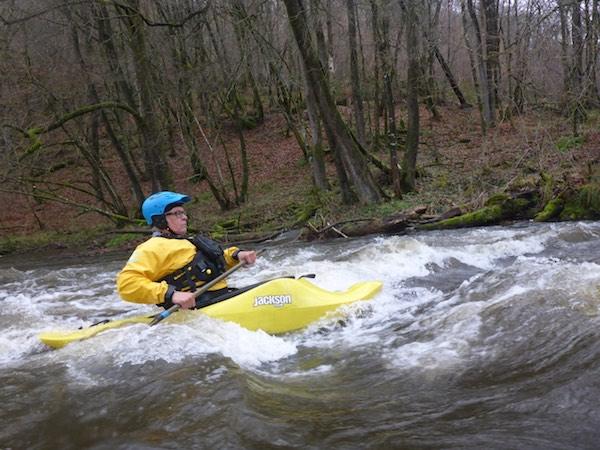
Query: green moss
{"points": [[584, 204], [304, 212], [499, 207], [229, 224], [551, 211], [43, 240], [547, 187], [33, 133], [566, 143], [8, 245], [67, 240], [483, 216], [441, 181], [572, 212], [593, 117], [497, 199], [527, 182], [218, 232], [590, 197], [121, 240]]}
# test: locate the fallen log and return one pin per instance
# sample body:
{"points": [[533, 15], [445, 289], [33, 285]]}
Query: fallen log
{"points": [[361, 227], [497, 209]]}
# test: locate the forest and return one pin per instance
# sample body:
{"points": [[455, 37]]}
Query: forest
{"points": [[280, 113]]}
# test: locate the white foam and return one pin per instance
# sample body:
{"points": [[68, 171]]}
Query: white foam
{"points": [[69, 298], [196, 338], [14, 344], [454, 335]]}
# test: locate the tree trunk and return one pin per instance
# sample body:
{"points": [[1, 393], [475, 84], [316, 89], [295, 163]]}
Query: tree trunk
{"points": [[572, 66], [377, 101], [345, 188], [101, 180], [357, 102], [579, 94], [107, 39], [123, 87], [152, 140], [324, 39], [429, 22], [242, 23], [329, 26], [473, 39], [412, 86], [577, 62], [564, 49], [492, 53], [125, 157], [389, 74], [337, 131], [592, 44], [450, 77], [517, 62], [317, 158]]}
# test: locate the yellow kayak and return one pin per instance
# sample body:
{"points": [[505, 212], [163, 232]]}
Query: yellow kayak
{"points": [[277, 306]]}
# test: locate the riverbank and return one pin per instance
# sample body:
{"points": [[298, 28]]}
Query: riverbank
{"points": [[459, 171]]}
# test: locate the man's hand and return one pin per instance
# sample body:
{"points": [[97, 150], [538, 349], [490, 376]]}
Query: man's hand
{"points": [[184, 299], [247, 257]]}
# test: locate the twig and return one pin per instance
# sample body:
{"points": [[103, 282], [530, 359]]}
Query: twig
{"points": [[343, 222], [338, 231]]}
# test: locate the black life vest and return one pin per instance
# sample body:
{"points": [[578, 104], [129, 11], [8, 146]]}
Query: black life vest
{"points": [[208, 264]]}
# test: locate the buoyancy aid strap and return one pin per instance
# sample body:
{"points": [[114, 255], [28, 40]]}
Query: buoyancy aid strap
{"points": [[191, 283], [196, 272], [211, 250], [207, 264]]}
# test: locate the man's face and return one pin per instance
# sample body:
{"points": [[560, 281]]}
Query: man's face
{"points": [[177, 220]]}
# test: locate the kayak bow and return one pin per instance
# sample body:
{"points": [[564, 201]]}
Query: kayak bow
{"points": [[277, 306]]}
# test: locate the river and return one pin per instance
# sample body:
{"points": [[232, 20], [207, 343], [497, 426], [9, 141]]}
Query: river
{"points": [[481, 338]]}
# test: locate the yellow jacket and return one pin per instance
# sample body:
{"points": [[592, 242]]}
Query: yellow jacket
{"points": [[153, 260]]}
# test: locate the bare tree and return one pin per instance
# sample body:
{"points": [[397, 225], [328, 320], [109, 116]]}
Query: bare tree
{"points": [[357, 101], [572, 58], [475, 39], [339, 136], [120, 88], [387, 101], [413, 71], [152, 140]]}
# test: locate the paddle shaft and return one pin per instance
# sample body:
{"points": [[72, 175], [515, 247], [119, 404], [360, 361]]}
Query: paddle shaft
{"points": [[205, 287]]}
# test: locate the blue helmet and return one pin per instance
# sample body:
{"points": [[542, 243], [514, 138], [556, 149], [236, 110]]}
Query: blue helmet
{"points": [[157, 204]]}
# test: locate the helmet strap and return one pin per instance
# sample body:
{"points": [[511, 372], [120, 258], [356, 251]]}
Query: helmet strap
{"points": [[160, 222]]}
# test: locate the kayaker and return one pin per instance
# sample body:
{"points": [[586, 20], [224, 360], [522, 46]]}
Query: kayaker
{"points": [[166, 269]]}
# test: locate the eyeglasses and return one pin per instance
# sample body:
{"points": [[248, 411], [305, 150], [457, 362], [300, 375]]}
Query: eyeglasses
{"points": [[178, 214]]}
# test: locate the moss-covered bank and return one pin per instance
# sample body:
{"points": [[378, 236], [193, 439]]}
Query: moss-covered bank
{"points": [[581, 203]]}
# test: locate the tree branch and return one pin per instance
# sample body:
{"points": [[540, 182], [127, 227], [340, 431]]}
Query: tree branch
{"points": [[35, 15], [151, 23], [33, 133], [50, 196]]}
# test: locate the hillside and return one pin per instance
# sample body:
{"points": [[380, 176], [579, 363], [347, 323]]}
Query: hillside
{"points": [[457, 168]]}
